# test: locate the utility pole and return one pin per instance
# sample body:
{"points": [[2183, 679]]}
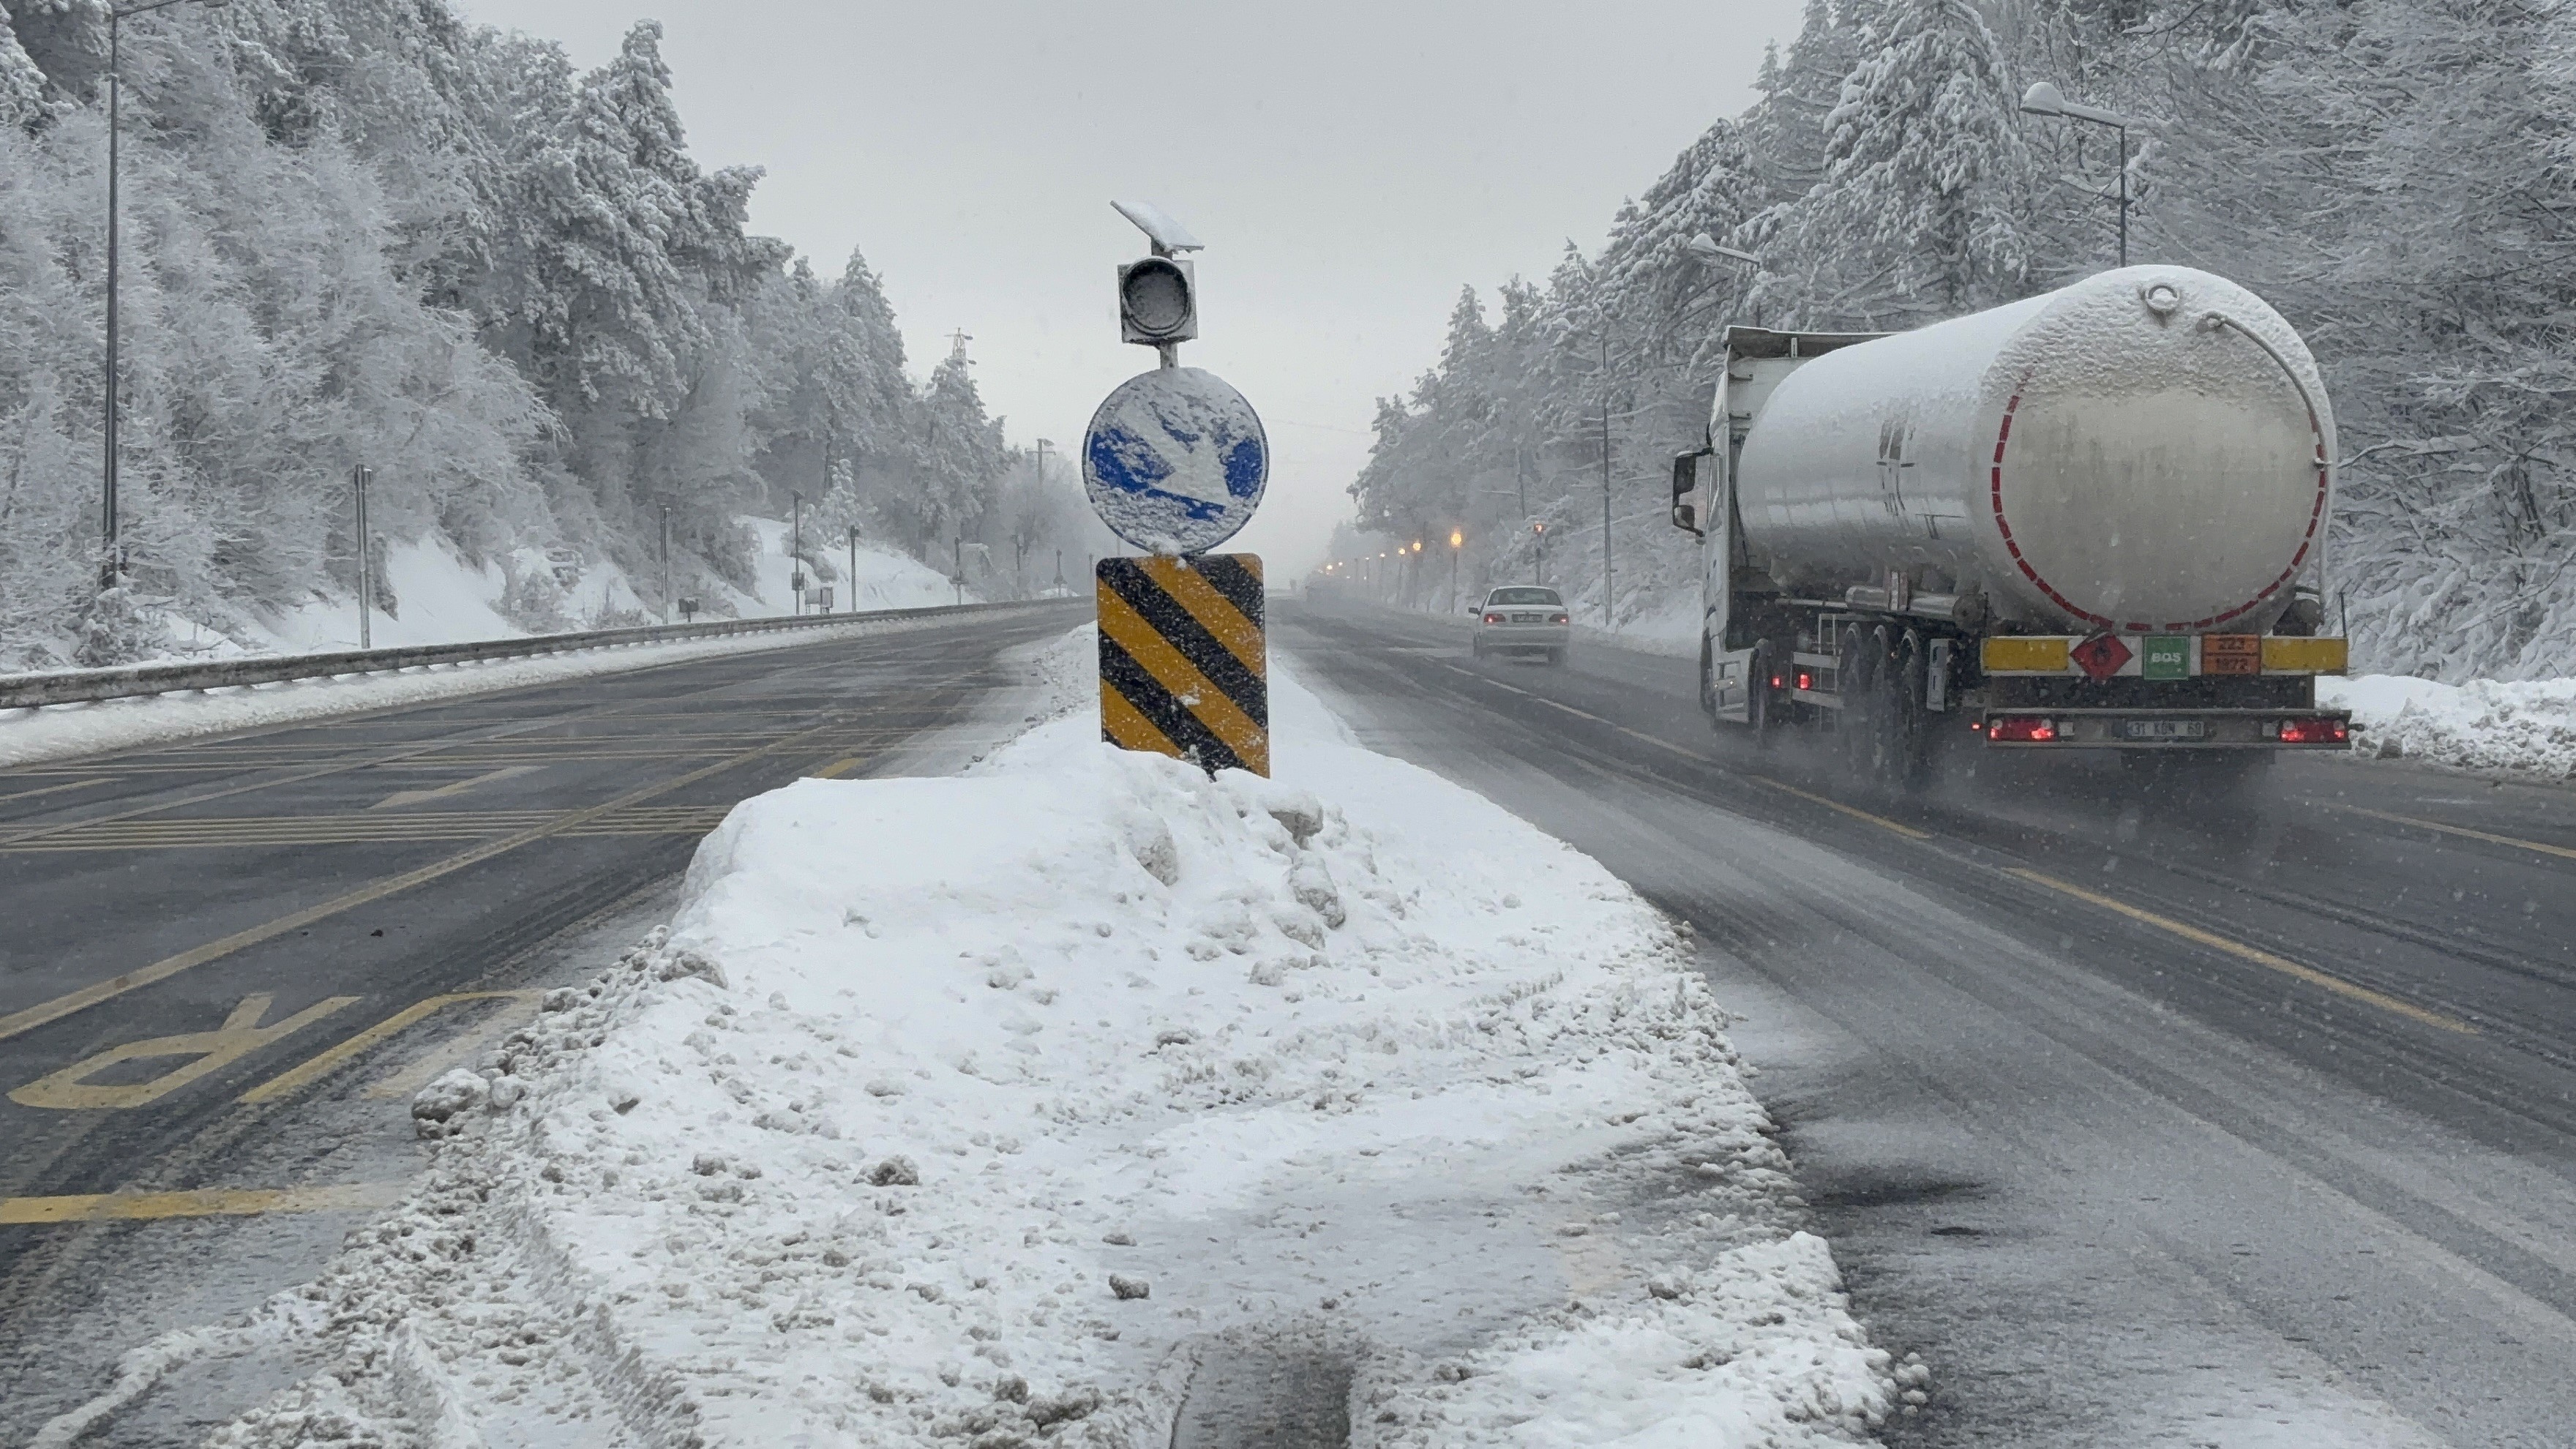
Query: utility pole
{"points": [[796, 549], [359, 478], [854, 568], [666, 563], [1604, 374], [111, 565], [957, 566]]}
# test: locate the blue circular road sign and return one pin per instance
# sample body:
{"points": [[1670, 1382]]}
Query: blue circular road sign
{"points": [[1175, 461]]}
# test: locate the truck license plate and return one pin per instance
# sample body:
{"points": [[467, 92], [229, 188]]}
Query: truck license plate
{"points": [[2166, 729]]}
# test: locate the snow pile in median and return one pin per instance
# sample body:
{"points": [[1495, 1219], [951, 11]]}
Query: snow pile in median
{"points": [[988, 1110], [2526, 727]]}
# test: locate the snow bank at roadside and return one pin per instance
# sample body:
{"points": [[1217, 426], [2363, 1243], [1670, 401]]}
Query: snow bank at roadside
{"points": [[2519, 728], [886, 579], [987, 1110], [31, 736]]}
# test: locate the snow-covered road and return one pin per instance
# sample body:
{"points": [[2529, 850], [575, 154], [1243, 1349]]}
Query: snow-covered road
{"points": [[2122, 1177]]}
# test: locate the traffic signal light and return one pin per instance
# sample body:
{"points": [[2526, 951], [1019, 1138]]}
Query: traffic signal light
{"points": [[1158, 301]]}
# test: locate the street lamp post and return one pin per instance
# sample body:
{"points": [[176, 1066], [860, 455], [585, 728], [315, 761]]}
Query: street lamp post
{"points": [[2043, 99], [110, 564], [1608, 621], [1457, 538]]}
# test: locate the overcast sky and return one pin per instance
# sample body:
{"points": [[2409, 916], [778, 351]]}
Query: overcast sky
{"points": [[1348, 163]]}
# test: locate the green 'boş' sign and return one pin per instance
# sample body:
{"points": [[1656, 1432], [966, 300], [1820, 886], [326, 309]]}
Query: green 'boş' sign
{"points": [[2166, 656]]}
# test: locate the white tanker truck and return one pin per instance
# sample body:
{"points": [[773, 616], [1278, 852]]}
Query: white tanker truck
{"points": [[2095, 518]]}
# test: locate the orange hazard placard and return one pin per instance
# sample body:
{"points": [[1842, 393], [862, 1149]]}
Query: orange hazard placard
{"points": [[2231, 654]]}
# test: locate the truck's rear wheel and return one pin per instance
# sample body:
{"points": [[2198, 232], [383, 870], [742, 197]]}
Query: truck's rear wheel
{"points": [[1761, 703], [1882, 690]]}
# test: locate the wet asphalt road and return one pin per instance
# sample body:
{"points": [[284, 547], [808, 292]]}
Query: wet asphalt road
{"points": [[2148, 1118], [229, 961]]}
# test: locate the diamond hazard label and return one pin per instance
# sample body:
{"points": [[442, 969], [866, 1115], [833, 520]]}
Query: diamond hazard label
{"points": [[2100, 656]]}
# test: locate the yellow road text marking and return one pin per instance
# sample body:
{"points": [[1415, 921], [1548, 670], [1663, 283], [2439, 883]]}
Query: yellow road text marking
{"points": [[2462, 830], [70, 1089], [1881, 821], [419, 1073], [168, 966], [204, 1202], [2243, 952], [839, 768]]}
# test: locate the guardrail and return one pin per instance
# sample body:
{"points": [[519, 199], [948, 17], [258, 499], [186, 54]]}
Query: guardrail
{"points": [[74, 686]]}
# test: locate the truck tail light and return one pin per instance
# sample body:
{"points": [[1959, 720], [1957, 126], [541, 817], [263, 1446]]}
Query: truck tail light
{"points": [[1806, 680], [2314, 732], [1778, 682], [2022, 728]]}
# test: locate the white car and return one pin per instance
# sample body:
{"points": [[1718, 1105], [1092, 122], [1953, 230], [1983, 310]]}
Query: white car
{"points": [[1522, 619]]}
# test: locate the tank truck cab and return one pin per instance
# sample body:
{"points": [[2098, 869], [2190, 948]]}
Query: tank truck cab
{"points": [[1954, 528], [1751, 668]]}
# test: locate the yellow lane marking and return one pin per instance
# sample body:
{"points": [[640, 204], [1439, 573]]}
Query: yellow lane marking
{"points": [[2462, 830], [1881, 821], [2243, 952], [70, 1089], [162, 970], [57, 789], [204, 1202], [296, 1077], [441, 792], [428, 828], [838, 768]]}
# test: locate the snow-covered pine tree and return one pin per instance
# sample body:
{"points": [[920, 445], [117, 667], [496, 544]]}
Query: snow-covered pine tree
{"points": [[1921, 212]]}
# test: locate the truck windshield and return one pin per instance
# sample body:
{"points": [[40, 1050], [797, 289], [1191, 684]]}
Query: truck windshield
{"points": [[1523, 596]]}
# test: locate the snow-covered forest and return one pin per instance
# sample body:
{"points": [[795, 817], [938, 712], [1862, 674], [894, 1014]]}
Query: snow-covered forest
{"points": [[365, 231], [2397, 176]]}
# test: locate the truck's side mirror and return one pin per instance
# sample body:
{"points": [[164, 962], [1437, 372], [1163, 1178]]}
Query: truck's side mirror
{"points": [[1685, 482]]}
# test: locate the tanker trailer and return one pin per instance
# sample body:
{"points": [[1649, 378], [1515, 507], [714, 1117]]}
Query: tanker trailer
{"points": [[2090, 519]]}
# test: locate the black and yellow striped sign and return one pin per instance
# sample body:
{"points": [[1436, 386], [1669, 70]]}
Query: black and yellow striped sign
{"points": [[1183, 668]]}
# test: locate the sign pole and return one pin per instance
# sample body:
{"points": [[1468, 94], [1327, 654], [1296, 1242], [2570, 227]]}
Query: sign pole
{"points": [[1174, 462], [359, 479]]}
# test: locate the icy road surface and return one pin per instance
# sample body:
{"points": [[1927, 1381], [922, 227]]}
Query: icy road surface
{"points": [[2123, 1185]]}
